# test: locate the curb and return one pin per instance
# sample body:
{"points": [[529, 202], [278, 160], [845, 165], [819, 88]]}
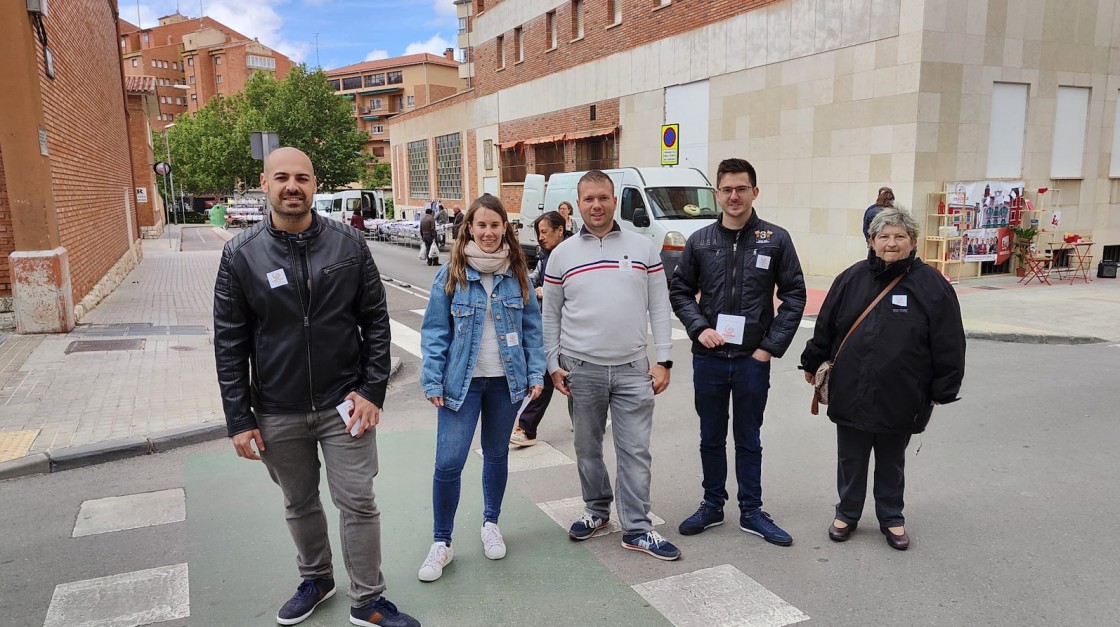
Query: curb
{"points": [[112, 450], [1032, 338]]}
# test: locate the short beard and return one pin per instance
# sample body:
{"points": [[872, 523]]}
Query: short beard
{"points": [[285, 212]]}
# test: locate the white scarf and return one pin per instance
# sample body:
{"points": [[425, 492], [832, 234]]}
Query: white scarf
{"points": [[496, 262]]}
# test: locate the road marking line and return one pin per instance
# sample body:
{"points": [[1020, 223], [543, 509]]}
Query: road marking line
{"points": [[142, 597], [807, 324], [564, 512], [406, 290], [405, 338], [419, 312], [542, 455], [718, 596], [117, 513]]}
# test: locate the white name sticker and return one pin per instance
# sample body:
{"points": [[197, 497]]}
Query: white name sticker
{"points": [[276, 278], [763, 262], [512, 339], [898, 300], [731, 328], [625, 265]]}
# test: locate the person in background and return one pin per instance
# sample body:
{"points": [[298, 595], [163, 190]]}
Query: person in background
{"points": [[428, 235], [483, 355], [441, 224], [906, 357], [456, 221], [565, 210], [883, 201], [357, 221], [550, 232]]}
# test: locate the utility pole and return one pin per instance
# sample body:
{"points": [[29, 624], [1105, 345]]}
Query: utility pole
{"points": [[317, 64]]}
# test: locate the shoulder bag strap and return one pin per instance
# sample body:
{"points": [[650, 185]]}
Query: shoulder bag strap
{"points": [[863, 315]]}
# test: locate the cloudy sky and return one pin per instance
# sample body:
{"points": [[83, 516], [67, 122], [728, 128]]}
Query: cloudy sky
{"points": [[349, 31]]}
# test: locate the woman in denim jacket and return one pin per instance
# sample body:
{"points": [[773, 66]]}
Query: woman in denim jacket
{"points": [[483, 354]]}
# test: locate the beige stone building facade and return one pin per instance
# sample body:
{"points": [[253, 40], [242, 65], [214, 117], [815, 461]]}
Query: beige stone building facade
{"points": [[829, 101]]}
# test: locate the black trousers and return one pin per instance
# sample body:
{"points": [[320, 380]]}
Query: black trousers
{"points": [[853, 452], [534, 413]]}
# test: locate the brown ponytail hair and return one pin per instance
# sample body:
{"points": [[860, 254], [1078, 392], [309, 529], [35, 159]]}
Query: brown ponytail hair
{"points": [[457, 267]]}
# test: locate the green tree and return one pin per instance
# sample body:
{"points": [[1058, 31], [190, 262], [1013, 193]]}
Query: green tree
{"points": [[377, 175], [211, 148]]}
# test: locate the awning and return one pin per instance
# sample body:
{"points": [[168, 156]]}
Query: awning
{"points": [[549, 139], [371, 117], [371, 92]]}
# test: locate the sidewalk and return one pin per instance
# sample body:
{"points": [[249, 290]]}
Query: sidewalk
{"points": [[161, 390]]}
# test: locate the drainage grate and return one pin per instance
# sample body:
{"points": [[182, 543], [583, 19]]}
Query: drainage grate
{"points": [[89, 346]]}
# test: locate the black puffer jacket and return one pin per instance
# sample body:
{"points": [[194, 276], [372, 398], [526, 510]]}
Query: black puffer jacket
{"points": [[281, 349], [907, 354], [735, 272]]}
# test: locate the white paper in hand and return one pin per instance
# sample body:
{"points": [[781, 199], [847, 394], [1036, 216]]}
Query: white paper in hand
{"points": [[731, 328], [344, 409], [524, 404]]}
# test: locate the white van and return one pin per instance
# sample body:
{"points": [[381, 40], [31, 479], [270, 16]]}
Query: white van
{"points": [[665, 204], [370, 201], [323, 204]]}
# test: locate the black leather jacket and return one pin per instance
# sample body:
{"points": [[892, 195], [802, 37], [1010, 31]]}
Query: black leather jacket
{"points": [[735, 272], [280, 349]]}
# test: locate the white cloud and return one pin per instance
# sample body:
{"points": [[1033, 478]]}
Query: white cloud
{"points": [[435, 45], [141, 15], [377, 55], [257, 19], [444, 8]]}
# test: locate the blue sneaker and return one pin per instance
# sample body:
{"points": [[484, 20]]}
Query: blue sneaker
{"points": [[652, 543], [308, 596], [761, 524], [381, 612], [587, 526], [707, 516]]}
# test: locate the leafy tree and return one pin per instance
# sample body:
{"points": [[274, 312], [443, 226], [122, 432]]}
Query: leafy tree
{"points": [[377, 175], [211, 149]]}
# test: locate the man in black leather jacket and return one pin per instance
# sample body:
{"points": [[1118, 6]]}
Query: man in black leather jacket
{"points": [[300, 324], [735, 265]]}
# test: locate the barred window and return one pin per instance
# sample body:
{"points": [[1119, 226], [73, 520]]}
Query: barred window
{"points": [[595, 153], [449, 171], [550, 158], [513, 165], [395, 78], [374, 80], [333, 83], [352, 82], [418, 169]]}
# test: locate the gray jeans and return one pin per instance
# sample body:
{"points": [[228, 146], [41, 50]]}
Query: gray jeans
{"points": [[291, 443], [627, 390]]}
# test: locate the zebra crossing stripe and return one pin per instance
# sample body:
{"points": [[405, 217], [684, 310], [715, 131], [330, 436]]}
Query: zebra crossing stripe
{"points": [[405, 338], [722, 595], [141, 597]]}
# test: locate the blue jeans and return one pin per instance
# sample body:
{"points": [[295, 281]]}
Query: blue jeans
{"points": [[742, 385], [488, 396]]}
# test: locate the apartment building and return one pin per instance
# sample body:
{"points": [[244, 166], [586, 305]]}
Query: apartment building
{"points": [[194, 60], [380, 90], [829, 100]]}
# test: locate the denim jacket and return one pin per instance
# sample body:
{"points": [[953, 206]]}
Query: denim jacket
{"points": [[452, 332]]}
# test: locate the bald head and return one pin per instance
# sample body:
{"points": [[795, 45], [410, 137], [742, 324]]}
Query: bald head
{"points": [[289, 182], [287, 157]]}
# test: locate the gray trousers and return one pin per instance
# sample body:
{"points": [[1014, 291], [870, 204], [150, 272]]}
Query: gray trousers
{"points": [[291, 454], [627, 390]]}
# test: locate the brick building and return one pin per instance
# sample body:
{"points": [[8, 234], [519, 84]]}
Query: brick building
{"points": [[68, 225], [141, 104], [194, 60], [829, 100], [380, 90]]}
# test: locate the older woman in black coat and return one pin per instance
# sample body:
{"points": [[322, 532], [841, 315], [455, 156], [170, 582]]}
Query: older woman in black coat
{"points": [[905, 357]]}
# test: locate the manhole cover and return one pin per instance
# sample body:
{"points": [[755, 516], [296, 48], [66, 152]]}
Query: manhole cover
{"points": [[89, 346]]}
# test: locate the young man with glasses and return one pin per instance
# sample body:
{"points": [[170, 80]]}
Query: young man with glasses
{"points": [[735, 265]]}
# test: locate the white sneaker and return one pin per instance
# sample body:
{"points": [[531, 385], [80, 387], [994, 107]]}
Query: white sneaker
{"points": [[439, 555], [493, 545], [520, 439]]}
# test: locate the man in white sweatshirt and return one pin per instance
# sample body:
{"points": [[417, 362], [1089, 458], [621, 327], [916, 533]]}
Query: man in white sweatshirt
{"points": [[600, 289]]}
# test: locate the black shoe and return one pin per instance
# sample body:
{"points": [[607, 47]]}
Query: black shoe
{"points": [[308, 596], [707, 516], [381, 612], [840, 534], [899, 542]]}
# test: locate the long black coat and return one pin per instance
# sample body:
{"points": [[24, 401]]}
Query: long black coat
{"points": [[907, 354]]}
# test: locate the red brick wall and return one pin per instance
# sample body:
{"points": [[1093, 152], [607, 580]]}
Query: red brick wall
{"points": [[7, 235], [640, 25], [84, 109], [143, 157]]}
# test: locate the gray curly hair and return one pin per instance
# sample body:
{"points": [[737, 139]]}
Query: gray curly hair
{"points": [[894, 216]]}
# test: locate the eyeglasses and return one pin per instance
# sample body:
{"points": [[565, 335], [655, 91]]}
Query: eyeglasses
{"points": [[741, 191]]}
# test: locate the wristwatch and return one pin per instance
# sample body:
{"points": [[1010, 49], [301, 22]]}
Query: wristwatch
{"points": [[668, 365]]}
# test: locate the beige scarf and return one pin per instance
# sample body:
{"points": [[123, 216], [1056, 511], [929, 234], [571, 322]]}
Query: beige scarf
{"points": [[496, 262]]}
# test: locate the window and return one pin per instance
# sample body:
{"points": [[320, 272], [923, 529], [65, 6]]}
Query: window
{"points": [[374, 103], [595, 153], [412, 101], [353, 108], [501, 56], [136, 63], [662, 3], [418, 169], [1007, 130], [577, 19], [462, 28], [333, 83], [513, 165], [465, 55], [352, 82], [400, 102], [257, 62], [377, 129], [1070, 118], [155, 63], [194, 97], [191, 79], [374, 80], [614, 11], [122, 42], [631, 200], [550, 158], [518, 45], [218, 78], [163, 64], [449, 171], [1114, 166], [396, 78], [145, 37], [190, 61], [217, 60], [550, 30], [174, 65]]}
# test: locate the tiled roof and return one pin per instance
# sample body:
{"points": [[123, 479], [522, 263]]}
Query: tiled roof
{"points": [[408, 59], [140, 84]]}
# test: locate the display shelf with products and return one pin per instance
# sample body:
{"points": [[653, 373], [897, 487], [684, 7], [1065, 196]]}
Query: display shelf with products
{"points": [[941, 247]]}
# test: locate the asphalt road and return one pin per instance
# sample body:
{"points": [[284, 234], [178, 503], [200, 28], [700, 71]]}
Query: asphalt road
{"points": [[1011, 503]]}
